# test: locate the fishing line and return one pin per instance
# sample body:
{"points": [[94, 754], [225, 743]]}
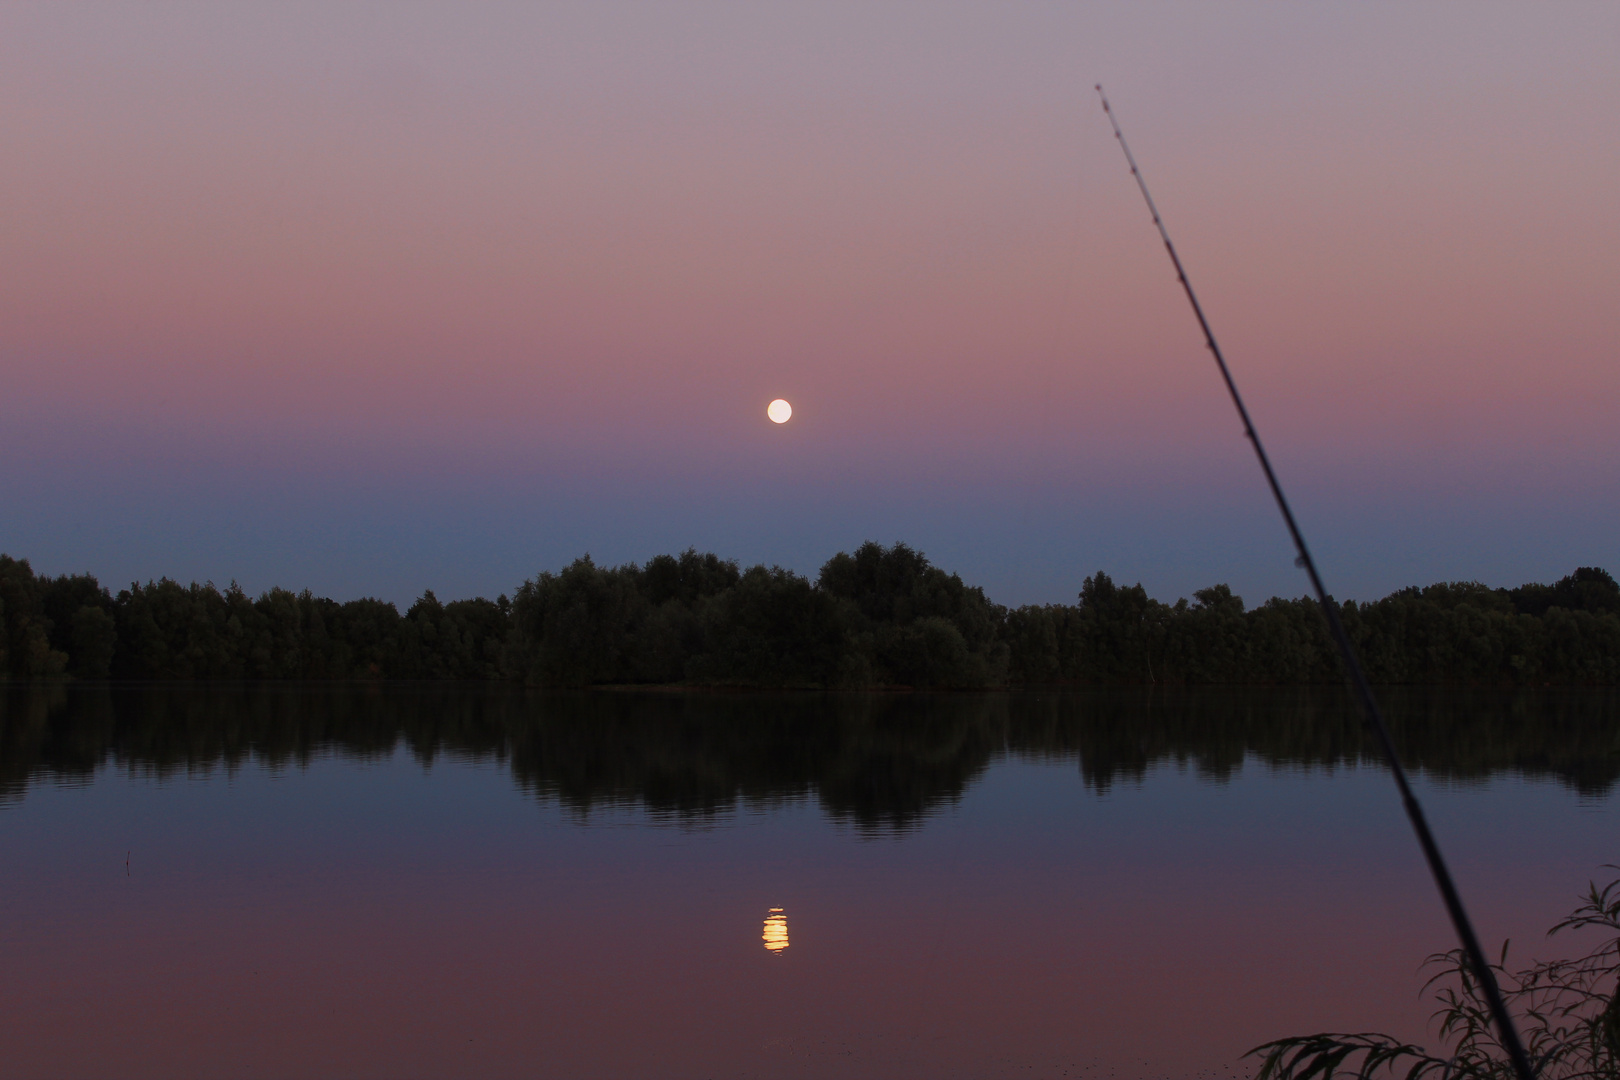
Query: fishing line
{"points": [[1362, 690]]}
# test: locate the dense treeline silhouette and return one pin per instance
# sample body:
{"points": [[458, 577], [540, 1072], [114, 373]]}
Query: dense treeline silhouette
{"points": [[875, 761], [877, 617]]}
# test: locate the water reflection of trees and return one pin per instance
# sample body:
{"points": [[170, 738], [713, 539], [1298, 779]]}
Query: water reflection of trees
{"points": [[879, 762]]}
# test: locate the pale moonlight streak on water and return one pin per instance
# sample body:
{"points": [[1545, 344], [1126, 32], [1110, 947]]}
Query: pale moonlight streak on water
{"points": [[775, 935]]}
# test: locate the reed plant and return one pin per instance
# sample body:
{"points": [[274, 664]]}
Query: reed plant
{"points": [[1568, 1013]]}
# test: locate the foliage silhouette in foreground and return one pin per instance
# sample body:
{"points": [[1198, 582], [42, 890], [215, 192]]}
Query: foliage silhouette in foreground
{"points": [[1568, 1013]]}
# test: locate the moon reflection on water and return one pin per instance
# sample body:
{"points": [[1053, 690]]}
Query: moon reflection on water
{"points": [[776, 932]]}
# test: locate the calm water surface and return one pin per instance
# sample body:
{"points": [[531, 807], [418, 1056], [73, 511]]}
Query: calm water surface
{"points": [[428, 882]]}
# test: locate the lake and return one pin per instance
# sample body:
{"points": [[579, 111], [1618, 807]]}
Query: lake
{"points": [[447, 881]]}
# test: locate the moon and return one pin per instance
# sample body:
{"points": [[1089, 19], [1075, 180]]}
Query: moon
{"points": [[779, 411]]}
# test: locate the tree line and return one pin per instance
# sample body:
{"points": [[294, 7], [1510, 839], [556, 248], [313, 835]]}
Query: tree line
{"points": [[877, 617]]}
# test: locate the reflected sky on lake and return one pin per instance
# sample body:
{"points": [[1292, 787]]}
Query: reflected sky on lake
{"points": [[411, 884]]}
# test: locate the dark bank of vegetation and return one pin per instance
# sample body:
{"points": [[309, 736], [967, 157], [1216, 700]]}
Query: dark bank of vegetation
{"points": [[877, 761], [877, 617]]}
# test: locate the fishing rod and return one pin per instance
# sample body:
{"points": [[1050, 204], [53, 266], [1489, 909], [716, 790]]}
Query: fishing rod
{"points": [[1509, 1033]]}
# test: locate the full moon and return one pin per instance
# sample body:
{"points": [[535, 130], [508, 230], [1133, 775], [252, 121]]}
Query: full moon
{"points": [[779, 411]]}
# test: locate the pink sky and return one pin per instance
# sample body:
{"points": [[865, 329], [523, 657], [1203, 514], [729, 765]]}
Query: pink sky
{"points": [[380, 298]]}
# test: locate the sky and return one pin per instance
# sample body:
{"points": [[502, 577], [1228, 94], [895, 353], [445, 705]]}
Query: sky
{"points": [[379, 298]]}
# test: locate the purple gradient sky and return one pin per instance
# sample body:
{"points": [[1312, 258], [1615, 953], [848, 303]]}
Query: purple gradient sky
{"points": [[379, 298]]}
